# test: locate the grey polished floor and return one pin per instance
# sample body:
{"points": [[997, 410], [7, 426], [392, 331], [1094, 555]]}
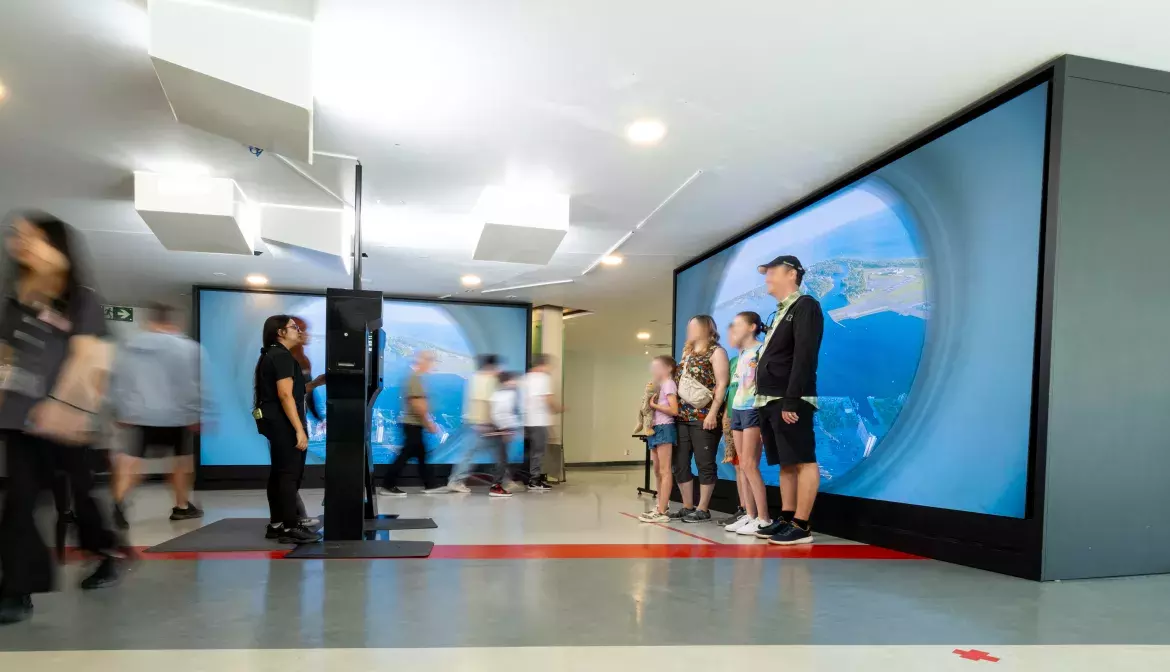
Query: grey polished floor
{"points": [[233, 604], [243, 604]]}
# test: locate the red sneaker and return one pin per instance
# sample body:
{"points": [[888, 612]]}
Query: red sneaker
{"points": [[498, 491]]}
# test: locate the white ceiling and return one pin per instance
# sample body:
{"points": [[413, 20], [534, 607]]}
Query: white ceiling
{"points": [[438, 99]]}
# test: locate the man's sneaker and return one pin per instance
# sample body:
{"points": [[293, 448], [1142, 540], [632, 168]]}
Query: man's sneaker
{"points": [[120, 521], [697, 516], [15, 609], [391, 492], [679, 514], [310, 522], [104, 576], [299, 535], [498, 491], [776, 527], [749, 529], [739, 524], [739, 514], [190, 513], [537, 485], [791, 536], [459, 487], [273, 531], [441, 490]]}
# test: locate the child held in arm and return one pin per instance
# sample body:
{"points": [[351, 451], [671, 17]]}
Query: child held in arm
{"points": [[661, 443]]}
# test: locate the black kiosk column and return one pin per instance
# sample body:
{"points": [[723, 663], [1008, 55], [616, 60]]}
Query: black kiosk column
{"points": [[353, 368], [353, 354]]}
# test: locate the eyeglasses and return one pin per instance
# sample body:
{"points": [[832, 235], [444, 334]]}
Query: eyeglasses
{"points": [[293, 326]]}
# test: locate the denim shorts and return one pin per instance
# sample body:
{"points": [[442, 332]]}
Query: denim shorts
{"points": [[745, 419], [663, 435]]}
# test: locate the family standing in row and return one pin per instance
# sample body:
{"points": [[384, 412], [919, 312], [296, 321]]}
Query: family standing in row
{"points": [[767, 400]]}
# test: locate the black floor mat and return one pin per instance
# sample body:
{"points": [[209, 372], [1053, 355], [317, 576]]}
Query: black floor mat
{"points": [[328, 550], [229, 534], [393, 524]]}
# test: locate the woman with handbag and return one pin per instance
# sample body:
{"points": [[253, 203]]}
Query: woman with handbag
{"points": [[53, 369], [703, 375]]}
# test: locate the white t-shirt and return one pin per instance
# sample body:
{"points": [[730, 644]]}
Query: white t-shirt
{"points": [[537, 388]]}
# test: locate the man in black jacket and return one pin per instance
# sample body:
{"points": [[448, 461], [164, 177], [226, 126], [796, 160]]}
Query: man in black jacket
{"points": [[786, 396]]}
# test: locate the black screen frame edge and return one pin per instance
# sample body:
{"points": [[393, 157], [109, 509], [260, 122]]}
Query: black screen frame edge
{"points": [[249, 476], [1002, 544]]}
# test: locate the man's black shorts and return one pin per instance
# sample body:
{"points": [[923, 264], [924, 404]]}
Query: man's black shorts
{"points": [[177, 441], [786, 444]]}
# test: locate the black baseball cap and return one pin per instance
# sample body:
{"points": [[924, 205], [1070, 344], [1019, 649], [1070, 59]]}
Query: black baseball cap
{"points": [[783, 260]]}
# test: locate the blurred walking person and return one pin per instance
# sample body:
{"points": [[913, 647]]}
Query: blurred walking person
{"points": [[477, 415], [279, 409], [311, 406], [54, 366], [416, 418], [505, 416], [155, 392], [540, 404]]}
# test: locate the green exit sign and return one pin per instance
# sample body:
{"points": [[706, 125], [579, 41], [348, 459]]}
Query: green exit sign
{"points": [[119, 313]]}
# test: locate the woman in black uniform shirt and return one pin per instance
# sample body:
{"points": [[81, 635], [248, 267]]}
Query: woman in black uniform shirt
{"points": [[280, 406]]}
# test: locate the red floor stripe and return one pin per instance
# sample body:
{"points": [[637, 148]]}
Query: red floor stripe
{"points": [[672, 529], [597, 552]]}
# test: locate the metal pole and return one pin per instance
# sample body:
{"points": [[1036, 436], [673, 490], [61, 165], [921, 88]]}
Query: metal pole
{"points": [[357, 226]]}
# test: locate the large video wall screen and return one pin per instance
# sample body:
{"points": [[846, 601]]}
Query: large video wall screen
{"points": [[927, 271], [229, 331]]}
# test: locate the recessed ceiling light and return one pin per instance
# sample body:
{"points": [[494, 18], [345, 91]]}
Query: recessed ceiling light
{"points": [[612, 260], [256, 279], [3, 92], [471, 281], [643, 335], [646, 132]]}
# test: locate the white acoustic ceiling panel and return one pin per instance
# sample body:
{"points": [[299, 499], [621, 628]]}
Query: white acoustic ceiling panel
{"points": [[323, 236], [239, 69], [522, 227], [196, 214]]}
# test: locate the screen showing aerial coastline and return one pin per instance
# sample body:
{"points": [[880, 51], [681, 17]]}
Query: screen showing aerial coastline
{"points": [[926, 270], [229, 331]]}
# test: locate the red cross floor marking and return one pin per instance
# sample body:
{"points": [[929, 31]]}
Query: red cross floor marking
{"points": [[975, 654]]}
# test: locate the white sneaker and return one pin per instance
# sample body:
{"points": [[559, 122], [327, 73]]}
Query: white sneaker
{"points": [[753, 526], [459, 487], [739, 524]]}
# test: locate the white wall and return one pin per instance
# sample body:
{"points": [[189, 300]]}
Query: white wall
{"points": [[603, 391]]}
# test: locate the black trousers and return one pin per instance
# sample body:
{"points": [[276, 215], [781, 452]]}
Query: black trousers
{"points": [[703, 444], [414, 447], [286, 473], [497, 443], [34, 464]]}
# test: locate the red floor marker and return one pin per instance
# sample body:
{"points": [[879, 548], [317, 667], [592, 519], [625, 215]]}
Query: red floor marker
{"points": [[976, 655]]}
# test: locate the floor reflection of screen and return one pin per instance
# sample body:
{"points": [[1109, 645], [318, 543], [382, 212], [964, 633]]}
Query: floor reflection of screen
{"points": [[926, 270], [230, 324]]}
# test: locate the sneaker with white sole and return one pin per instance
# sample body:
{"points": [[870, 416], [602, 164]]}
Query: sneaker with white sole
{"points": [[656, 517], [739, 524], [498, 491], [460, 488], [391, 492], [441, 490], [749, 529]]}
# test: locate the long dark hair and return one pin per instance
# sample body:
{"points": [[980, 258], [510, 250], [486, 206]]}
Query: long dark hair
{"points": [[302, 357], [62, 238], [271, 336]]}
